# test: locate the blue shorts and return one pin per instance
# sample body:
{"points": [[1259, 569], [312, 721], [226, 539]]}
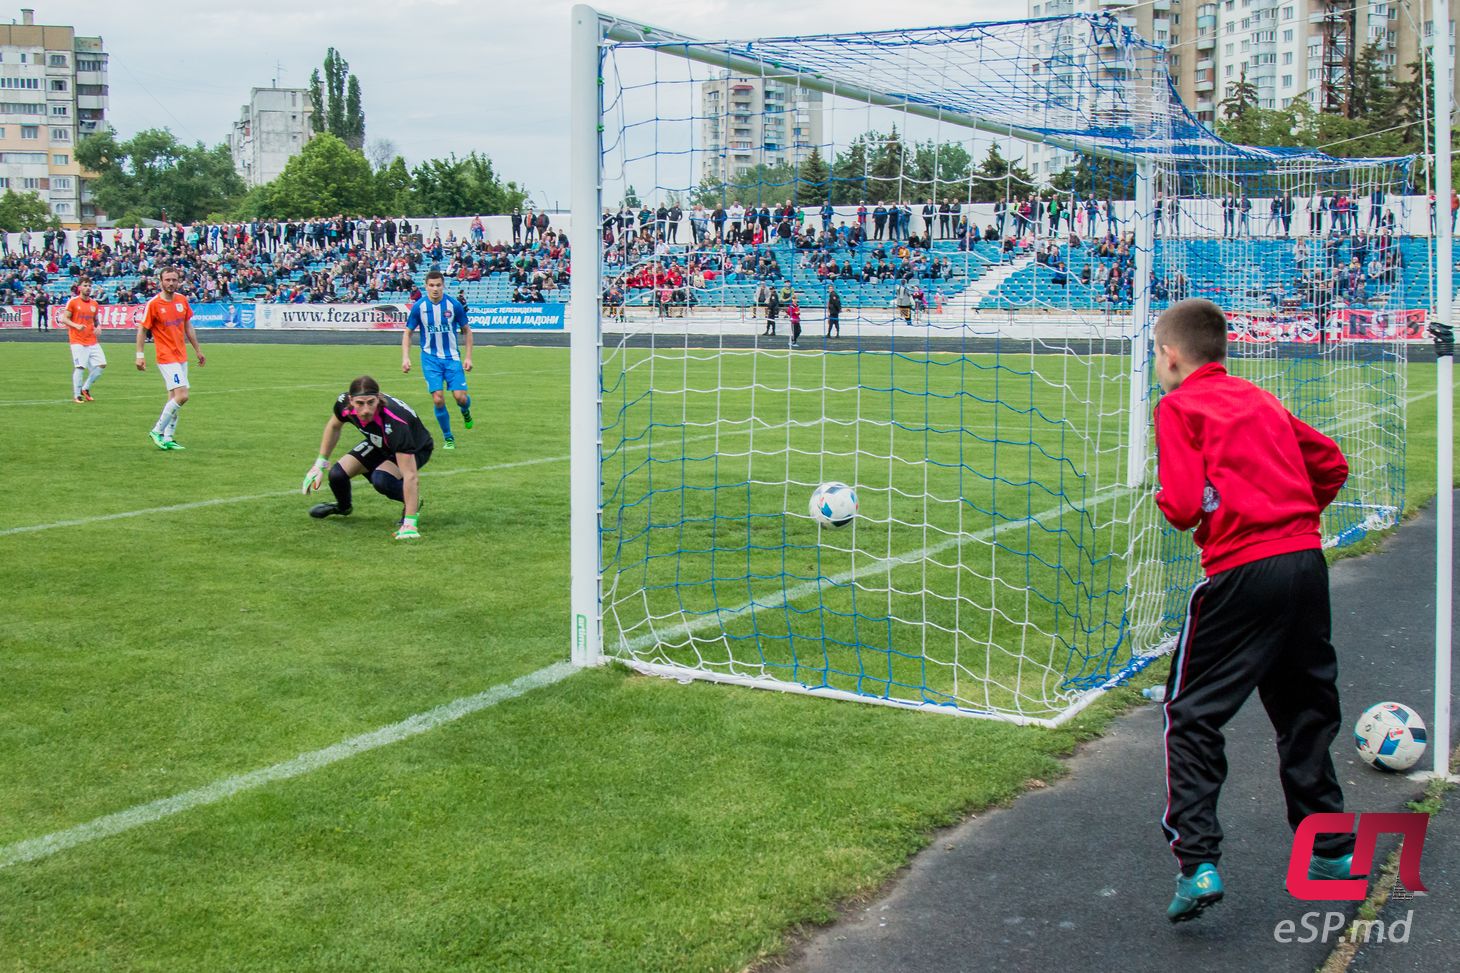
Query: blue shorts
{"points": [[442, 373]]}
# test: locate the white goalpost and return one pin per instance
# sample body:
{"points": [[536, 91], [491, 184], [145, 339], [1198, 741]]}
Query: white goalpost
{"points": [[975, 361], [1442, 104]]}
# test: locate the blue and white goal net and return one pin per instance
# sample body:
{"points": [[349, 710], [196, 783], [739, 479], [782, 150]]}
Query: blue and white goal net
{"points": [[926, 263]]}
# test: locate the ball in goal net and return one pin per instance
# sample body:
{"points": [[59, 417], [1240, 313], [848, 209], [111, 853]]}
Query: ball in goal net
{"points": [[973, 228]]}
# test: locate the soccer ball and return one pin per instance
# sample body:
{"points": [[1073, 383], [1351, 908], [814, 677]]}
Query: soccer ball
{"points": [[833, 504], [1390, 736]]}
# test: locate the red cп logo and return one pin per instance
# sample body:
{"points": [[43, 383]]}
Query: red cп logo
{"points": [[1412, 825]]}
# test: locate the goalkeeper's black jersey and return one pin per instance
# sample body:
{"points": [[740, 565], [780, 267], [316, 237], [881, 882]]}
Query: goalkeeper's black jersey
{"points": [[395, 427]]}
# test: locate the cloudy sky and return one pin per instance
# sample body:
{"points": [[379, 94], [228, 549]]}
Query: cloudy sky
{"points": [[438, 76]]}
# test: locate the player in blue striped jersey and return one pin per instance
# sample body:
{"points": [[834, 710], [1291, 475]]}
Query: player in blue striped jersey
{"points": [[438, 319]]}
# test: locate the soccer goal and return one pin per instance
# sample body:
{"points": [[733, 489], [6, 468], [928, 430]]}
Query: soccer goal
{"points": [[976, 226]]}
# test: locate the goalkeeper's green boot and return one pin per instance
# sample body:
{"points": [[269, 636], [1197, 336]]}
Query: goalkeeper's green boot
{"points": [[172, 444], [157, 439], [1195, 893]]}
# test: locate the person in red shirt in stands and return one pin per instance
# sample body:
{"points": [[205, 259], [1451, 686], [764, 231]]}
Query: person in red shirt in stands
{"points": [[1252, 479]]}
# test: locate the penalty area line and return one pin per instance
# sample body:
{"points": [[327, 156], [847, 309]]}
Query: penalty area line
{"points": [[225, 501], [135, 817]]}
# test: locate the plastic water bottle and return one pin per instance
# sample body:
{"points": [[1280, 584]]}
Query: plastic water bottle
{"points": [[1156, 694]]}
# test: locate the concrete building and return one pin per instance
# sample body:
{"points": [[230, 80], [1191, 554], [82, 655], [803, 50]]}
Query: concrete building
{"points": [[272, 128], [53, 92], [1064, 66], [748, 121], [1287, 49]]}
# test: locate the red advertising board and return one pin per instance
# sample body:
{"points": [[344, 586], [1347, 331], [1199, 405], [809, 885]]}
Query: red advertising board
{"points": [[17, 316], [1348, 324]]}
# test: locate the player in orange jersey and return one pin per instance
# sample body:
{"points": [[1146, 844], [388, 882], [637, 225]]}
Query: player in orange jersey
{"points": [[87, 358], [169, 317]]}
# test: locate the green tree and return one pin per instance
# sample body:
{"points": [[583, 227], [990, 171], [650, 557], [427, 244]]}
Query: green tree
{"points": [[25, 211], [888, 167], [1241, 97], [153, 175], [1099, 177], [813, 182], [1411, 103], [336, 101], [394, 190], [761, 185], [316, 103], [849, 173], [326, 178], [631, 197], [938, 170], [354, 116], [1371, 94], [463, 187], [997, 178]]}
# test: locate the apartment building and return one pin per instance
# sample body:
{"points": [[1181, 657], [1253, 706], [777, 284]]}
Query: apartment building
{"points": [[272, 128], [747, 121], [53, 92]]}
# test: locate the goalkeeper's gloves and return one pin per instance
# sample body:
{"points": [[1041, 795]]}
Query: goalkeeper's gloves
{"points": [[407, 530], [315, 476]]}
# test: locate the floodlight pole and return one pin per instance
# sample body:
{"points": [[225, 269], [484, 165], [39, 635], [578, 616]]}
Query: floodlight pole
{"points": [[586, 337], [1140, 329], [1441, 104]]}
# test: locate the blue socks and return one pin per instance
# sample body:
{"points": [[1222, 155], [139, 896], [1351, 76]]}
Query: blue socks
{"points": [[444, 418], [466, 406]]}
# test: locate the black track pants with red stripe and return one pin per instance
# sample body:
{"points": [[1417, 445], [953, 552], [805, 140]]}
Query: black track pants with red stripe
{"points": [[1263, 626]]}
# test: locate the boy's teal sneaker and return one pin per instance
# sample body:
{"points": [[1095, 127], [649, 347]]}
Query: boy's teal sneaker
{"points": [[1195, 893], [1332, 869]]}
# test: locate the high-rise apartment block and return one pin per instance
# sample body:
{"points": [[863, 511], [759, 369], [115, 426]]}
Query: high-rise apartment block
{"points": [[1284, 50], [272, 128], [748, 121], [53, 92]]}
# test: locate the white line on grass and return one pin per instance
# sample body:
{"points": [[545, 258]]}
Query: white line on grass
{"points": [[104, 827], [36, 848], [541, 460], [152, 395], [879, 566], [224, 501]]}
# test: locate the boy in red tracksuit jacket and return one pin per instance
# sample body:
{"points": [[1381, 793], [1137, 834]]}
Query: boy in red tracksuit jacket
{"points": [[1252, 479]]}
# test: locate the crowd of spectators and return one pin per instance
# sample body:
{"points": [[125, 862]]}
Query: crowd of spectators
{"points": [[307, 261], [1350, 249]]}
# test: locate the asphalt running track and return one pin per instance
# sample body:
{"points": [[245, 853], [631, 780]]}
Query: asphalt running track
{"points": [[1077, 876]]}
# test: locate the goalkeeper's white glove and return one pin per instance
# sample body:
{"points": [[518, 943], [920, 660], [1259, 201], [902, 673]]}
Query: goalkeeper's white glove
{"points": [[407, 530], [315, 476]]}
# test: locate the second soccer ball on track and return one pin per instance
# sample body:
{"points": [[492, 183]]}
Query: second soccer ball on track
{"points": [[834, 504], [1390, 736]]}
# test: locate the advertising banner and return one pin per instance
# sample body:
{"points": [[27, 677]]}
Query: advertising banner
{"points": [[331, 317], [17, 316], [117, 317], [224, 315], [517, 317], [392, 317], [1347, 324]]}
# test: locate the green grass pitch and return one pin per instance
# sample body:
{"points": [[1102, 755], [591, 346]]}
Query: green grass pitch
{"points": [[608, 822]]}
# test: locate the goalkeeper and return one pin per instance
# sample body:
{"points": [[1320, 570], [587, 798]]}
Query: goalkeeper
{"points": [[395, 447]]}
